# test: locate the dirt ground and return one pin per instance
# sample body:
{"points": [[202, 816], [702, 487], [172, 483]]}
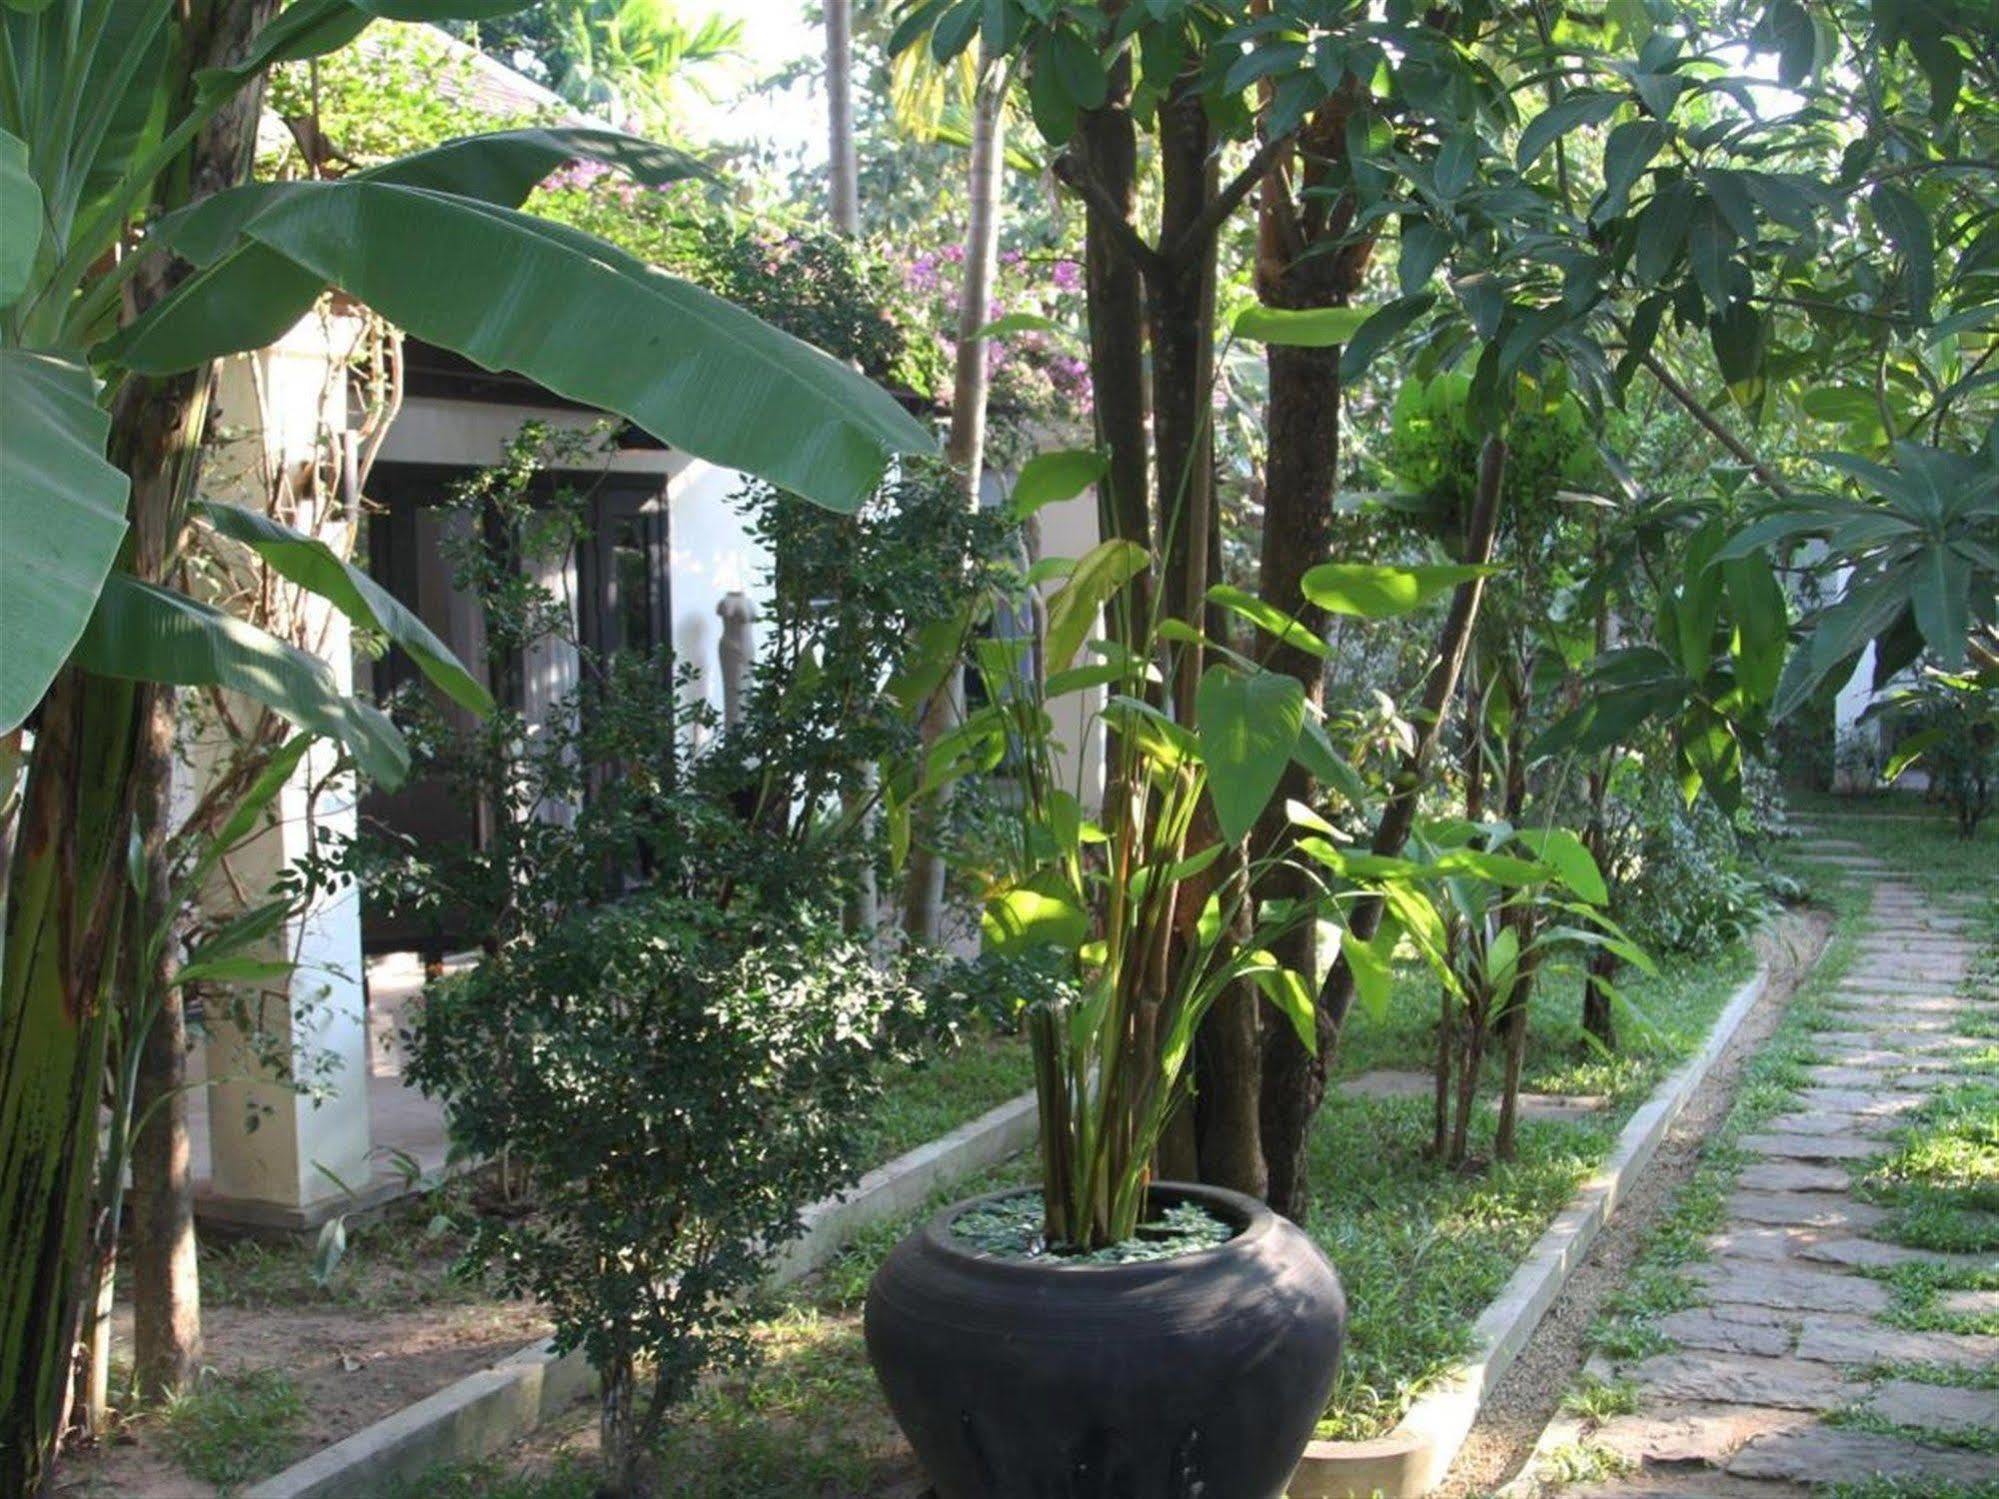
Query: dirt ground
{"points": [[349, 1364], [1524, 1400]]}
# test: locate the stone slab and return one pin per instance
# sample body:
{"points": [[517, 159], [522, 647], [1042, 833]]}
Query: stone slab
{"points": [[1709, 1435], [1732, 1379], [1709, 1329], [1873, 1254], [1828, 1455], [1816, 1122], [1794, 1176], [1803, 1210], [1858, 1100], [1940, 1407], [1970, 1304], [1863, 1346], [1790, 1288], [1814, 1147]]}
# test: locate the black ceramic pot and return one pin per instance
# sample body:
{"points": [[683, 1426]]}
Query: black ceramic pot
{"points": [[1195, 1377]]}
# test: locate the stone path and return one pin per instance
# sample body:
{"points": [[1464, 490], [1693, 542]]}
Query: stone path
{"points": [[1788, 1330]]}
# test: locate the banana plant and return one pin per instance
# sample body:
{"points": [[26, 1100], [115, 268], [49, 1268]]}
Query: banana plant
{"points": [[133, 255]]}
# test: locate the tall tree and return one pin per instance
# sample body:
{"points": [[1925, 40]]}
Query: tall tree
{"points": [[923, 894], [842, 164]]}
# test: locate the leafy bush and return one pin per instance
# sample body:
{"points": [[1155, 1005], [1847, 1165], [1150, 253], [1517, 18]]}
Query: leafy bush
{"points": [[675, 1078], [1691, 889]]}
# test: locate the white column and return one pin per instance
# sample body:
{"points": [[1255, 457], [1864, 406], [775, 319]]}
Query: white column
{"points": [[287, 1063]]}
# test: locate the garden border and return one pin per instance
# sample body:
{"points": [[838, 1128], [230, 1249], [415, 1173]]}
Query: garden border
{"points": [[485, 1411], [1414, 1457]]}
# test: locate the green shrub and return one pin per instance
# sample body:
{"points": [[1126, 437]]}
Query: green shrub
{"points": [[674, 1079]]}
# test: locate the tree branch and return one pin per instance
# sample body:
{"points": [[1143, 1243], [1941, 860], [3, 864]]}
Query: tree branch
{"points": [[1076, 177], [1229, 199], [1709, 420]]}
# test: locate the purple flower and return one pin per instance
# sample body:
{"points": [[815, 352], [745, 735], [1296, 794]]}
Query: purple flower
{"points": [[1067, 275]]}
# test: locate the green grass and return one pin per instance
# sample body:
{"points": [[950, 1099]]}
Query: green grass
{"points": [[234, 1428], [1597, 1399], [925, 1102], [1422, 1249], [1942, 1182]]}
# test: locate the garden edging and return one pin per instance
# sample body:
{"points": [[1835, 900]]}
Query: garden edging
{"points": [[1414, 1457], [487, 1410]]}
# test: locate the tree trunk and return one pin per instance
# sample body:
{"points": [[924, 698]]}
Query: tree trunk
{"points": [[842, 171], [64, 899], [1106, 152], [923, 895], [1294, 1091], [1512, 1018], [1301, 262]]}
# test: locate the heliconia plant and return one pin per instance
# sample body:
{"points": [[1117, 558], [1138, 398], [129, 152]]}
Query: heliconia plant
{"points": [[1130, 921]]}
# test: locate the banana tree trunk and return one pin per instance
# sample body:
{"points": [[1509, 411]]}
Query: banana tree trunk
{"points": [[923, 893], [62, 919]]}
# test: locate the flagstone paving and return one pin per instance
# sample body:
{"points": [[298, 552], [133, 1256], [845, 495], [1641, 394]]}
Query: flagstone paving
{"points": [[1788, 1370]]}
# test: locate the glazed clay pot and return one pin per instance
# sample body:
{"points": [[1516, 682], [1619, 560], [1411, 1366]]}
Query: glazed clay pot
{"points": [[1199, 1376]]}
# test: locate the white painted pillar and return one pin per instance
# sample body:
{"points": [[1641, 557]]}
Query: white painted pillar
{"points": [[287, 1063], [1069, 529]]}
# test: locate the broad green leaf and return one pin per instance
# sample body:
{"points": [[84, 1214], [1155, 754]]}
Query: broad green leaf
{"points": [[1248, 724], [1762, 624], [1570, 858], [1573, 111], [314, 566], [1379, 331], [1628, 151], [21, 216], [1285, 989], [1023, 919], [1372, 966], [155, 635], [1325, 764], [1047, 478], [1098, 575], [502, 166], [1374, 591], [1907, 227], [1941, 598], [1268, 618], [1300, 327], [696, 372], [62, 517]]}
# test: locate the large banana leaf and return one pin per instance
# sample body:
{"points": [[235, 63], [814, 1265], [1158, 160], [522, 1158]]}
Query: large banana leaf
{"points": [[253, 295], [62, 516], [21, 212], [588, 321], [315, 566], [153, 634]]}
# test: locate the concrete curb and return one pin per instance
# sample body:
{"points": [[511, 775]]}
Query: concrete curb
{"points": [[485, 1411], [1414, 1457]]}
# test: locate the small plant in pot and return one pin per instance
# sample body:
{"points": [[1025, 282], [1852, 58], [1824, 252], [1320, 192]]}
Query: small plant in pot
{"points": [[1109, 1333]]}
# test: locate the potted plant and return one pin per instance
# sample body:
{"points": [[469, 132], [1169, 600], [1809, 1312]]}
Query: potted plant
{"points": [[1109, 1333]]}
